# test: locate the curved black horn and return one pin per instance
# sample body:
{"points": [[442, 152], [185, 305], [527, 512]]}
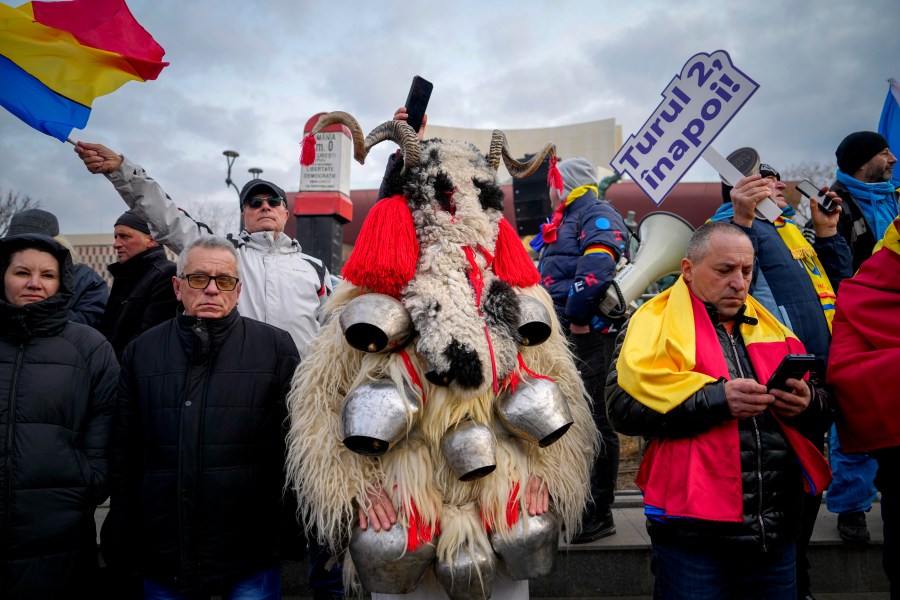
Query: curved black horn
{"points": [[500, 149], [400, 133], [359, 148]]}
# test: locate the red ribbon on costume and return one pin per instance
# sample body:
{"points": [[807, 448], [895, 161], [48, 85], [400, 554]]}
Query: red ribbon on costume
{"points": [[475, 276], [412, 373]]}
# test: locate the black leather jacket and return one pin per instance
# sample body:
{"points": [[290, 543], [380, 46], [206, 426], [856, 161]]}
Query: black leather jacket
{"points": [[771, 478]]}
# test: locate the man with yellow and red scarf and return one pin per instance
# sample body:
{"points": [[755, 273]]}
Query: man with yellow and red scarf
{"points": [[865, 352], [725, 470], [796, 282]]}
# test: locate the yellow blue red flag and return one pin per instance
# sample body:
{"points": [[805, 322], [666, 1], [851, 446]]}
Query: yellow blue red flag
{"points": [[56, 57]]}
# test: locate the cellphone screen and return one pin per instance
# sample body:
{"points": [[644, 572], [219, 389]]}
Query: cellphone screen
{"points": [[417, 101], [806, 188]]}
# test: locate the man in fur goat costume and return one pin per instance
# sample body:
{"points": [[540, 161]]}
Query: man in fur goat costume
{"points": [[441, 247]]}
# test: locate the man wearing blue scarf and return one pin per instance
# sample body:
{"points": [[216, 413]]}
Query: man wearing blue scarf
{"points": [[865, 166], [869, 205]]}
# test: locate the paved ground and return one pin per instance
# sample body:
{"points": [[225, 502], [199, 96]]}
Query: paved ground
{"points": [[831, 563]]}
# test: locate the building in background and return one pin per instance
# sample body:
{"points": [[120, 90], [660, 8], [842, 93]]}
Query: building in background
{"points": [[96, 251]]}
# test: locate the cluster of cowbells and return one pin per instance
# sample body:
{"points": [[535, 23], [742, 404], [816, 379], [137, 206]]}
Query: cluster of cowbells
{"points": [[376, 415]]}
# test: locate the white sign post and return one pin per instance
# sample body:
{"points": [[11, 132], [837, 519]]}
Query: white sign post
{"points": [[331, 170], [697, 104]]}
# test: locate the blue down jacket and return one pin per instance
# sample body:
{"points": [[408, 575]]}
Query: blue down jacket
{"points": [[578, 267]]}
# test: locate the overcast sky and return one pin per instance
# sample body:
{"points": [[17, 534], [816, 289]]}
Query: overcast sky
{"points": [[247, 75]]}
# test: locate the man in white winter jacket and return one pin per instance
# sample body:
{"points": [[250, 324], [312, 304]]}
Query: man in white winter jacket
{"points": [[282, 286]]}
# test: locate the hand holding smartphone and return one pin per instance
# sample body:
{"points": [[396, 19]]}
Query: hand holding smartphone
{"points": [[793, 366], [811, 191], [417, 101]]}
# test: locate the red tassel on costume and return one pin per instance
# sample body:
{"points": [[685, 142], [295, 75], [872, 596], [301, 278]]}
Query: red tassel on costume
{"points": [[554, 177], [419, 532], [386, 251], [512, 381], [512, 510], [308, 150], [511, 261], [512, 506]]}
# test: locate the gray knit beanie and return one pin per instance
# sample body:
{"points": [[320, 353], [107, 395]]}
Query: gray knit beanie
{"points": [[576, 172], [33, 220]]}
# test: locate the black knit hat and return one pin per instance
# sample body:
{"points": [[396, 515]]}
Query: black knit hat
{"points": [[129, 218], [33, 220], [856, 149]]}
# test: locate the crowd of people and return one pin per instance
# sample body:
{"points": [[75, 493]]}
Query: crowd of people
{"points": [[171, 399]]}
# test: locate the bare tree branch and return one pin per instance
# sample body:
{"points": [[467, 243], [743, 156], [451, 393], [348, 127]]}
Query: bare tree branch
{"points": [[10, 204], [221, 217], [820, 173]]}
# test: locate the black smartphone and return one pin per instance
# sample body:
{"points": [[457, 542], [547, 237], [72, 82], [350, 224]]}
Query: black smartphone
{"points": [[793, 366], [417, 101], [811, 191]]}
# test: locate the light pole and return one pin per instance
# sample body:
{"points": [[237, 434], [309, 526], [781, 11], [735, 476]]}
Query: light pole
{"points": [[230, 155], [255, 171]]}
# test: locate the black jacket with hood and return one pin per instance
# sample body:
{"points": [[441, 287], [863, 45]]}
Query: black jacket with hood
{"points": [[57, 392]]}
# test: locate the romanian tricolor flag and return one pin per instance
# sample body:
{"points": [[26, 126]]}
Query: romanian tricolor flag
{"points": [[56, 57]]}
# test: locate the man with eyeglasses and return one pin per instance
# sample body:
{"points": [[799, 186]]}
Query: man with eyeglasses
{"points": [[197, 458], [283, 286]]}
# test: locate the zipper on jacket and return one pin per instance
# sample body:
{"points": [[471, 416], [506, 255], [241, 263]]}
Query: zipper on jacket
{"points": [[10, 433], [759, 477], [209, 358]]}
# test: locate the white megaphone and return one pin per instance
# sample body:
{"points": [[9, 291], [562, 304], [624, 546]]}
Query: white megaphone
{"points": [[664, 238]]}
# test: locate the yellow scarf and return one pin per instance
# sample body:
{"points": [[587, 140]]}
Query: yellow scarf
{"points": [[658, 363], [891, 239], [802, 251], [579, 192]]}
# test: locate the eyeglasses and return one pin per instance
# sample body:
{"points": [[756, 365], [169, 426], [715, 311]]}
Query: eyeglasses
{"points": [[256, 202], [199, 281]]}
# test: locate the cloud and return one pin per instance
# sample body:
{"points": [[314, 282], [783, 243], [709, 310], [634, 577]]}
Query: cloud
{"points": [[247, 76]]}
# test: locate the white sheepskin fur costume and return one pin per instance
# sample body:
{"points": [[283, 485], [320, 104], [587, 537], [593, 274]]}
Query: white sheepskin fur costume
{"points": [[330, 480]]}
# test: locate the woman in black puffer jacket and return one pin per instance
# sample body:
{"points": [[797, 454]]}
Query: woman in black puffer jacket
{"points": [[57, 392]]}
